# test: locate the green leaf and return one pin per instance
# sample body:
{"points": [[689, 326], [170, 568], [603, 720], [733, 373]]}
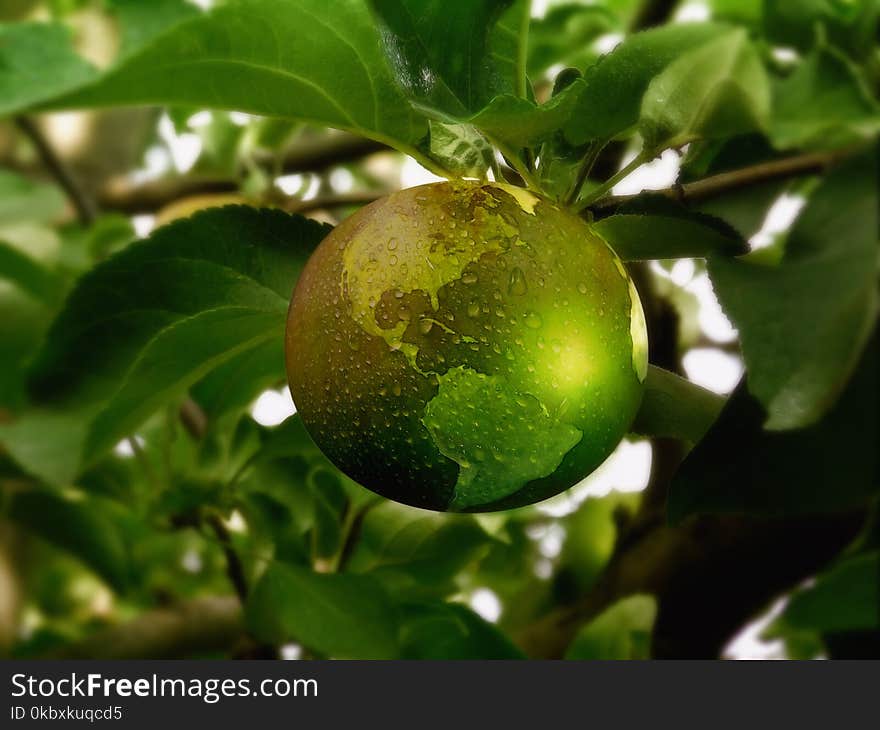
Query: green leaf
{"points": [[844, 598], [508, 46], [338, 615], [441, 52], [564, 34], [520, 122], [140, 22], [673, 407], [656, 228], [37, 63], [717, 90], [614, 86], [29, 275], [233, 385], [460, 149], [739, 467], [804, 321], [825, 103], [851, 26], [620, 632], [416, 551], [82, 528], [23, 200], [451, 631], [147, 323], [310, 60]]}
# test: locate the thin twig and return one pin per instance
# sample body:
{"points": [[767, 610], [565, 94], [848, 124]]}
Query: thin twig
{"points": [[234, 567], [296, 205], [725, 182], [85, 208]]}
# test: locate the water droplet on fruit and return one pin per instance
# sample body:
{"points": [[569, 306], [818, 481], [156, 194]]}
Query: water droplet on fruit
{"points": [[517, 284], [533, 320]]}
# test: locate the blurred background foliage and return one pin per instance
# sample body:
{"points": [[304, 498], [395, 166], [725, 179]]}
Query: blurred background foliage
{"points": [[159, 498]]}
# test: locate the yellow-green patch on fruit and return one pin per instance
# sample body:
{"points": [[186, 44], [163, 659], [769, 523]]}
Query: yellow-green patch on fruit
{"points": [[466, 346]]}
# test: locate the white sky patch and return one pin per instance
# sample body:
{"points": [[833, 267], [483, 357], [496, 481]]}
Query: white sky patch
{"points": [[779, 219], [290, 184], [713, 369], [143, 224], [341, 180], [185, 148], [550, 544], [608, 42], [626, 470], [273, 407], [692, 12], [235, 522], [784, 54], [413, 174], [486, 603], [157, 162], [124, 449], [539, 8], [241, 119], [199, 120], [291, 652], [654, 175], [748, 644], [191, 561], [713, 321]]}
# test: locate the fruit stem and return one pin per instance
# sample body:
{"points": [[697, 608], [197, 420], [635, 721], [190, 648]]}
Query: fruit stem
{"points": [[606, 187], [584, 170]]}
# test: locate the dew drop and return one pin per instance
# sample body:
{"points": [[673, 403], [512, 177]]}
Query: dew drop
{"points": [[517, 285], [533, 320], [473, 309]]}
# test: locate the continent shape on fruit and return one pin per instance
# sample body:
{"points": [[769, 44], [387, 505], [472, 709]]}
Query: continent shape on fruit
{"points": [[466, 346]]}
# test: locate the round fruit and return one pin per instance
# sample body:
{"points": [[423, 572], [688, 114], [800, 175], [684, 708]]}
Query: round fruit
{"points": [[465, 346]]}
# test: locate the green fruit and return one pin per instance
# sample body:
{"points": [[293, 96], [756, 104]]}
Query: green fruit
{"points": [[465, 346]]}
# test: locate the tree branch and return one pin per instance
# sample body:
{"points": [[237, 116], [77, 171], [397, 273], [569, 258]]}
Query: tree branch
{"points": [[85, 208], [295, 205], [725, 182], [211, 624], [311, 154], [234, 567]]}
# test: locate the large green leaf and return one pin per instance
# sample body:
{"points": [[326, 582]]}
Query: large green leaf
{"points": [[338, 615], [37, 63], [739, 467], [620, 632], [844, 598], [441, 51], [824, 103], [717, 90], [451, 631], [152, 320], [311, 60], [141, 21], [520, 122], [613, 87], [82, 528], [416, 551], [657, 228], [804, 321]]}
